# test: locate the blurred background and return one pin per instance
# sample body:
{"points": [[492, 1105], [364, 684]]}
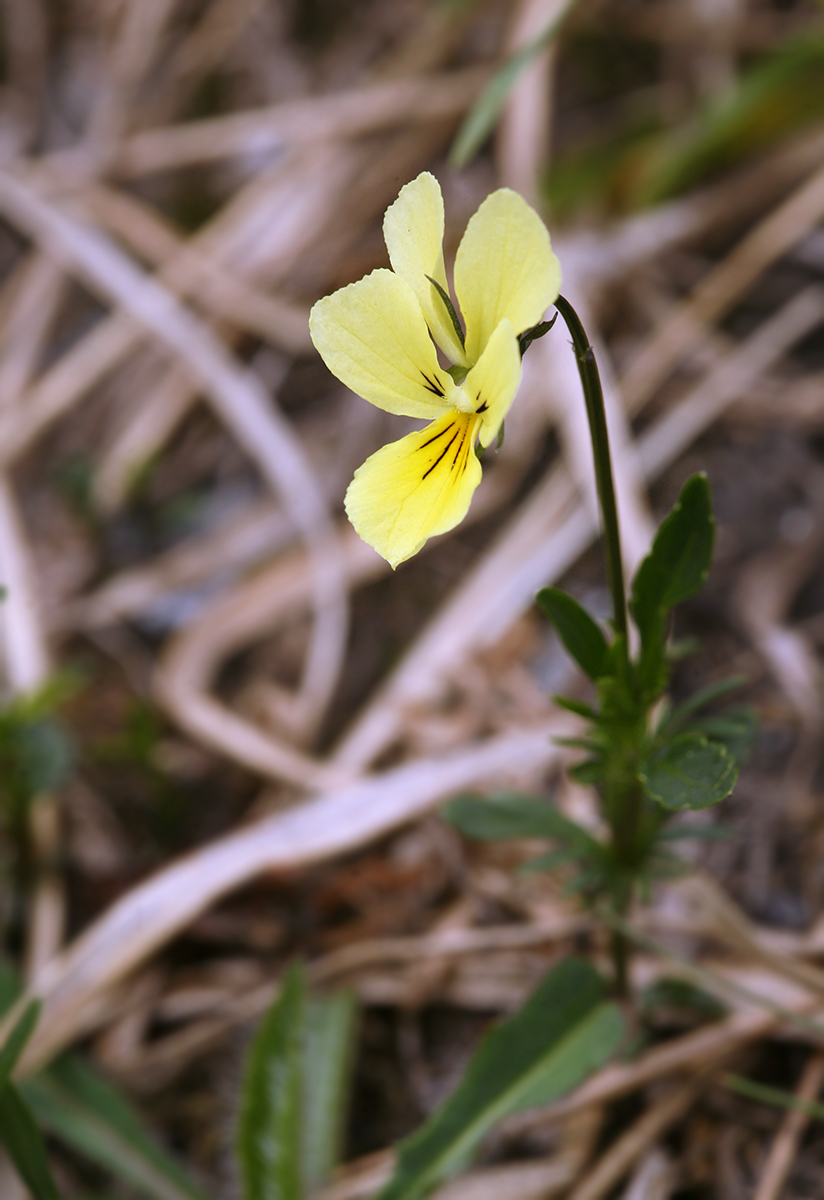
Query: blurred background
{"points": [[226, 724]]}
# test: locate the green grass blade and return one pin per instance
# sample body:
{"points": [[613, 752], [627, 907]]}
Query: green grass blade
{"points": [[91, 1116], [24, 1145]]}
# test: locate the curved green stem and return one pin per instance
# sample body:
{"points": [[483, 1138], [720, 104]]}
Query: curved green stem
{"points": [[596, 414]]}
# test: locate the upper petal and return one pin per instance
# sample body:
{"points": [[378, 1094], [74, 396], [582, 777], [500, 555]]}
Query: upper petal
{"points": [[493, 381], [372, 335], [505, 267], [416, 487], [413, 230]]}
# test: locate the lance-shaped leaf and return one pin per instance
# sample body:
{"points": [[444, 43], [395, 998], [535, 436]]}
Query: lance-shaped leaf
{"points": [[689, 772], [496, 818], [292, 1102], [678, 563], [269, 1141], [565, 1031], [581, 636]]}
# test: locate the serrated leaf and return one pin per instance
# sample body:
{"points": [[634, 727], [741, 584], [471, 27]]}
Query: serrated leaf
{"points": [[88, 1114], [24, 1145], [689, 772], [564, 1032], [736, 730], [582, 637], [495, 818], [269, 1128], [678, 563]]}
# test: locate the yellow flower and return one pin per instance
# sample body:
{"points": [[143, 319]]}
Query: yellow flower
{"points": [[379, 336]]}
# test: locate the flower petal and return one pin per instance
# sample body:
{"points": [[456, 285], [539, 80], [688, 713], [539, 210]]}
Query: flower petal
{"points": [[416, 487], [505, 267], [413, 230], [372, 335], [493, 381]]}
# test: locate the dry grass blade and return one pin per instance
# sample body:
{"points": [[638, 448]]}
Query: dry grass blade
{"points": [[27, 666], [631, 1145], [719, 290], [299, 122], [152, 913], [783, 1150], [240, 401]]}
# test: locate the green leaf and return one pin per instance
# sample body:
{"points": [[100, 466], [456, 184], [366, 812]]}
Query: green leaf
{"points": [[269, 1128], [581, 636], [576, 706], [328, 1054], [293, 1101], [689, 772], [678, 563], [548, 862], [495, 818], [671, 993], [563, 1033], [705, 696], [16, 1041], [24, 1145], [89, 1115], [736, 730], [697, 833]]}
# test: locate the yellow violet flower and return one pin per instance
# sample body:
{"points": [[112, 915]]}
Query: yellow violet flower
{"points": [[381, 337]]}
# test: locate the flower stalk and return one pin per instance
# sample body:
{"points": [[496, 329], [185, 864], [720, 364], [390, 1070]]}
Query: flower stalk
{"points": [[597, 417]]}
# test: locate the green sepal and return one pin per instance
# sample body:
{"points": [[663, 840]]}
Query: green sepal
{"points": [[529, 336], [450, 308], [499, 440], [581, 635], [688, 772]]}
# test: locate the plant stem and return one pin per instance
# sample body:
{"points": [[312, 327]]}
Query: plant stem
{"points": [[596, 414]]}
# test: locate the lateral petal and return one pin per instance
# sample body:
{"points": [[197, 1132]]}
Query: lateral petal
{"points": [[505, 267], [413, 230], [493, 381], [373, 336], [416, 487]]}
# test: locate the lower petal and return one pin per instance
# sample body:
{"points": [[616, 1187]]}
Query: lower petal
{"points": [[416, 487], [493, 381]]}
